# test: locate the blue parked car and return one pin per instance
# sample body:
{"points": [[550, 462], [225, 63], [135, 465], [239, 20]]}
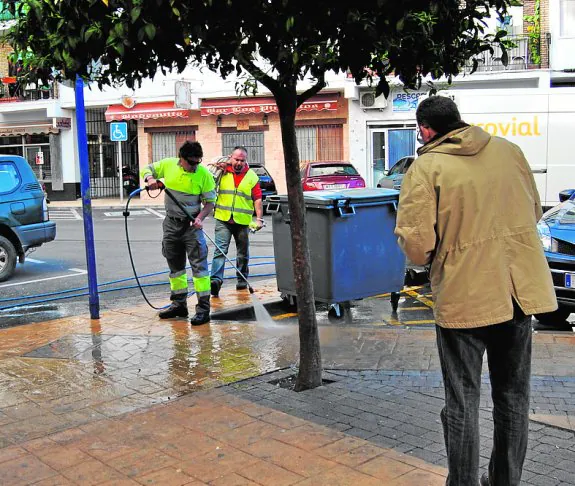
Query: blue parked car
{"points": [[267, 183], [394, 176], [24, 219], [557, 232]]}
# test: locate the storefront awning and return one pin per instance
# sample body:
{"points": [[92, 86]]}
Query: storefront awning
{"points": [[145, 111], [246, 106], [32, 128]]}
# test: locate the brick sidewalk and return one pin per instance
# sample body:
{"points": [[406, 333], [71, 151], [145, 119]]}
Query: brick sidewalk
{"points": [[129, 399], [209, 438], [400, 411]]}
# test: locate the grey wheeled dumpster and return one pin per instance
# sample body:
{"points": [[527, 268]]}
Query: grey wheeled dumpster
{"points": [[354, 253]]}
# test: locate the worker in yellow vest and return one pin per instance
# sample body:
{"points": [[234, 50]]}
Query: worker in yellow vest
{"points": [[239, 194], [193, 186]]}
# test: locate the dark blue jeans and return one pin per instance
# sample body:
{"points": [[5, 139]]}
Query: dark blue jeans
{"points": [[223, 236], [461, 351]]}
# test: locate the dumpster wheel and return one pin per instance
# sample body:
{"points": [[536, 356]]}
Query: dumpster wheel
{"points": [[289, 300], [337, 309], [395, 300]]}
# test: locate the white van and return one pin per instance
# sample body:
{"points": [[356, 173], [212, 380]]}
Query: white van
{"points": [[540, 121]]}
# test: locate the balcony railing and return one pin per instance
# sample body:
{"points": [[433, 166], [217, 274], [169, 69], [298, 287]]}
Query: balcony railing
{"points": [[520, 56], [13, 91]]}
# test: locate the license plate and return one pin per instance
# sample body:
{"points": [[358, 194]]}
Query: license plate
{"points": [[335, 186], [570, 280]]}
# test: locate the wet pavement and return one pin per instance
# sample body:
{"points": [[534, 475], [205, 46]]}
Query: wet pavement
{"points": [[129, 399]]}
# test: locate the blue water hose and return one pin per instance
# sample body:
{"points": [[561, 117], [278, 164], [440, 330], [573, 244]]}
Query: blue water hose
{"points": [[55, 296], [78, 289], [53, 299]]}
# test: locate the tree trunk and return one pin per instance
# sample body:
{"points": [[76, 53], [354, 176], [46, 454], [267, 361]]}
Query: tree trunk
{"points": [[309, 375]]}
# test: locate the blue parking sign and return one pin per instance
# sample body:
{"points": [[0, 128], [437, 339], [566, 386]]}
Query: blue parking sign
{"points": [[118, 131]]}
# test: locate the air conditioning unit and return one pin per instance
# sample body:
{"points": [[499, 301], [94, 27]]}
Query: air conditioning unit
{"points": [[368, 101]]}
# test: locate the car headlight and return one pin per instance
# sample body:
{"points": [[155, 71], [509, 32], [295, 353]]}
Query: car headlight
{"points": [[544, 235]]}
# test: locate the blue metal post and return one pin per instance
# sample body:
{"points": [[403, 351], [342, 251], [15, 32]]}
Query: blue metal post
{"points": [[86, 201]]}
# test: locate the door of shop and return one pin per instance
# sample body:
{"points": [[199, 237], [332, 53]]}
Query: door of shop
{"points": [[388, 144], [38, 157]]}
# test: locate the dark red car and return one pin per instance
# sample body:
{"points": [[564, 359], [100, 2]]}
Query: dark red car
{"points": [[330, 175]]}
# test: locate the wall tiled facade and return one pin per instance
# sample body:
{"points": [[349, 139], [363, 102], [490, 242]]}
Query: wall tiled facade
{"points": [[529, 9]]}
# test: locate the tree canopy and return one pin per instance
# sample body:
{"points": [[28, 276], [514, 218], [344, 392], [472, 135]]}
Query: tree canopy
{"points": [[279, 39]]}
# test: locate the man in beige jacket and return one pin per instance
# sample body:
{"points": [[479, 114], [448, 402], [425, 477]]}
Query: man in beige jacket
{"points": [[469, 207]]}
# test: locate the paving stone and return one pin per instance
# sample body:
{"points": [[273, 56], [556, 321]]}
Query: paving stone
{"points": [[543, 481], [562, 475]]}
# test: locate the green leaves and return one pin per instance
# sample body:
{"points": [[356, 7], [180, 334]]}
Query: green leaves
{"points": [[135, 14], [150, 30], [410, 40]]}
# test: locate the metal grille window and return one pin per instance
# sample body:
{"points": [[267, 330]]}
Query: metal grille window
{"points": [[168, 144], [252, 141], [103, 154], [321, 142]]}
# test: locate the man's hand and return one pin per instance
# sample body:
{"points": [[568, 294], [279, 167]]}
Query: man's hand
{"points": [[198, 223], [260, 223], [152, 183]]}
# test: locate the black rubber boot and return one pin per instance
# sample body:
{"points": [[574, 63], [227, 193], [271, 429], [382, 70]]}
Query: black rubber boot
{"points": [[202, 311], [241, 285], [176, 309], [215, 286]]}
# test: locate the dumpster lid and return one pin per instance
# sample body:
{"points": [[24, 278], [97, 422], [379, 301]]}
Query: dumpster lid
{"points": [[354, 196]]}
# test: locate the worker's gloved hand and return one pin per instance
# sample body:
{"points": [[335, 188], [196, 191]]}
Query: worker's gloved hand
{"points": [[152, 183], [198, 223], [257, 225]]}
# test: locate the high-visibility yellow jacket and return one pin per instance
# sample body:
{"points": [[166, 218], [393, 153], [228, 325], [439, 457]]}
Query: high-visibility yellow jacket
{"points": [[191, 189], [235, 201]]}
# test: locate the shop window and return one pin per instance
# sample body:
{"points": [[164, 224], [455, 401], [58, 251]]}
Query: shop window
{"points": [[13, 150], [252, 141], [37, 138], [16, 140], [319, 142], [167, 144]]}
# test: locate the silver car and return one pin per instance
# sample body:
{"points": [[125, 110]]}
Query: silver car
{"points": [[394, 176]]}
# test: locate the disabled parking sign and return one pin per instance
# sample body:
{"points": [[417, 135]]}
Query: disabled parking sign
{"points": [[118, 131]]}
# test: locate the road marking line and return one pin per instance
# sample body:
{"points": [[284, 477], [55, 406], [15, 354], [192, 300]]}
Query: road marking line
{"points": [[33, 260], [78, 271], [155, 213], [420, 298], [413, 308], [76, 213], [411, 323], [381, 296], [120, 214], [284, 316]]}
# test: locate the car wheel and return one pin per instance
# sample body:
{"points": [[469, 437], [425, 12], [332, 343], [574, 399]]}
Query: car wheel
{"points": [[556, 318], [8, 257]]}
